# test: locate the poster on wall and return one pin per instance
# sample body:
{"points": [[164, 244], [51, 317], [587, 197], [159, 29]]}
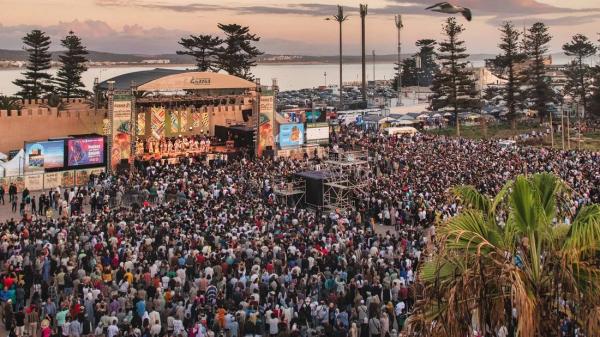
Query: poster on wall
{"points": [[121, 130], [34, 182], [291, 135], [157, 122], [68, 178], [82, 177], [266, 129], [52, 180], [85, 151], [40, 156]]}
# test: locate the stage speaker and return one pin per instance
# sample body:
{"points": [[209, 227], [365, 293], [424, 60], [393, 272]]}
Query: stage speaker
{"points": [[246, 114]]}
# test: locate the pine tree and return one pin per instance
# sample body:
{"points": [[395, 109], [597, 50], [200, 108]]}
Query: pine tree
{"points": [[594, 101], [428, 65], [204, 49], [68, 78], [453, 86], [36, 81], [539, 91], [411, 76], [238, 54], [505, 67], [579, 74]]}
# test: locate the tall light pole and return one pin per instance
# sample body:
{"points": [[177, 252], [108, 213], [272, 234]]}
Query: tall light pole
{"points": [[363, 14], [399, 25], [340, 18]]}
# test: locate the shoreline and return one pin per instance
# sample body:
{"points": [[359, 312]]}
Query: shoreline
{"points": [[178, 65]]}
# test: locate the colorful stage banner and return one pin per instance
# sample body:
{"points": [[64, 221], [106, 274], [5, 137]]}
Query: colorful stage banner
{"points": [[157, 122], [174, 122], [141, 124], [184, 116], [121, 130]]}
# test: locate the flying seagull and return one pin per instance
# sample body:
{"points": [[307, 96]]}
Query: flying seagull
{"points": [[448, 8]]}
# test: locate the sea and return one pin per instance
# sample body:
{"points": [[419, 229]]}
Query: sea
{"points": [[289, 76]]}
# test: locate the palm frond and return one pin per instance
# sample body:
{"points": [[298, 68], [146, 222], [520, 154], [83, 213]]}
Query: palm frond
{"points": [[584, 234], [471, 198], [470, 232]]}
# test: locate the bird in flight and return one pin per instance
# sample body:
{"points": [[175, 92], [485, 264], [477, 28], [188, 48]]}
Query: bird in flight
{"points": [[448, 8]]}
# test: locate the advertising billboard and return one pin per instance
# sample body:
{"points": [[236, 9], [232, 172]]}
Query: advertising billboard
{"points": [[316, 116], [85, 151], [266, 129], [40, 156], [291, 135], [318, 135]]}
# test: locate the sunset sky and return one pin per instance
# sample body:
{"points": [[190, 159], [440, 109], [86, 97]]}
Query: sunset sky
{"points": [[286, 26]]}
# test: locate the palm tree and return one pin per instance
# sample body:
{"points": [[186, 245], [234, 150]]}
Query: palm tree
{"points": [[340, 18], [363, 14], [513, 251], [10, 103]]}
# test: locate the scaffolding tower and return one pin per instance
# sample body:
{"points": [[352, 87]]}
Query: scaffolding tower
{"points": [[289, 191], [346, 172]]}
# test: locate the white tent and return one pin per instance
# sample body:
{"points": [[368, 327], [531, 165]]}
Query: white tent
{"points": [[14, 167], [405, 122]]}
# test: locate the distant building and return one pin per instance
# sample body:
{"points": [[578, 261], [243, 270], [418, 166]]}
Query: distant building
{"points": [[160, 61]]}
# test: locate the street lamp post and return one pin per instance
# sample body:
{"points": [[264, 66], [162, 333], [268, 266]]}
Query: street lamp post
{"points": [[399, 25], [363, 14], [340, 18]]}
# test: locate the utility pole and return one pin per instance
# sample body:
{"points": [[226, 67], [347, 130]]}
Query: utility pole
{"points": [[340, 18], [363, 14], [562, 126], [399, 25], [373, 68]]}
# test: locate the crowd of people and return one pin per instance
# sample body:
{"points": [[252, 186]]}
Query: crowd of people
{"points": [[205, 248]]}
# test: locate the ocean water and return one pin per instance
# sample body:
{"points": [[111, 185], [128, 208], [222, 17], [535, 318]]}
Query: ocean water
{"points": [[289, 76]]}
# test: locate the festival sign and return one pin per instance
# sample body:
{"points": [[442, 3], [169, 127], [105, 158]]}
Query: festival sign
{"points": [[266, 129], [291, 135], [40, 156], [85, 151], [121, 130]]}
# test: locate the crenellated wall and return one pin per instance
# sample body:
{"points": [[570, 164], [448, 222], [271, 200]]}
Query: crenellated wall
{"points": [[38, 122]]}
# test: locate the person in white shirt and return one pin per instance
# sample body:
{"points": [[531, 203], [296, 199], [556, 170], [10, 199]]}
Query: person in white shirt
{"points": [[113, 330]]}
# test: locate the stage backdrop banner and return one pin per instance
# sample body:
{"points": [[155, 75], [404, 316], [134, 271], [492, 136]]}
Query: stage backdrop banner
{"points": [[141, 124], [174, 123], [157, 122], [266, 120], [121, 130], [52, 180]]}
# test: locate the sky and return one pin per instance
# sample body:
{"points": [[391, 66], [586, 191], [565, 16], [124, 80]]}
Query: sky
{"points": [[285, 26]]}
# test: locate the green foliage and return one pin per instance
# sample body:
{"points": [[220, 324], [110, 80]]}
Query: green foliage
{"points": [[504, 66], [238, 54], [512, 248], [37, 81], [579, 74], [10, 103], [204, 49], [68, 78], [535, 43], [453, 86], [411, 75]]}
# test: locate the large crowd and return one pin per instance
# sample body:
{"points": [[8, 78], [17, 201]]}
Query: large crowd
{"points": [[205, 248]]}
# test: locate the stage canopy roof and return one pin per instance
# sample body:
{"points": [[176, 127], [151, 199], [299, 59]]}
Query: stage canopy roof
{"points": [[172, 80]]}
